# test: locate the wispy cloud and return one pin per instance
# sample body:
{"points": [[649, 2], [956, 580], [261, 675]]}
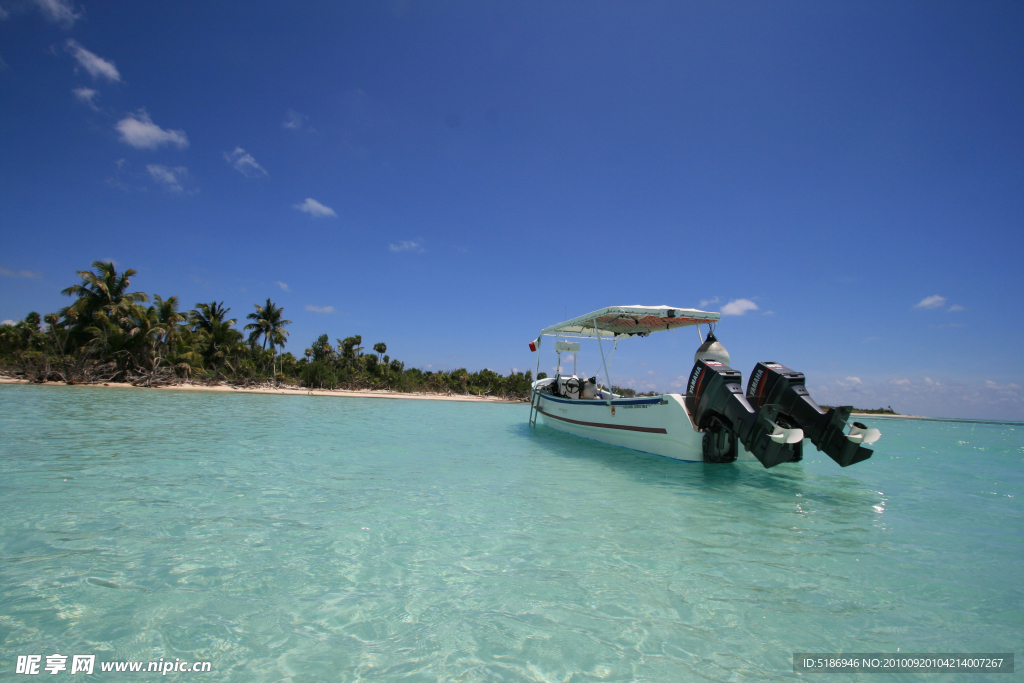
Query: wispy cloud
{"points": [[319, 309], [4, 14], [139, 131], [934, 301], [244, 163], [6, 272], [855, 380], [170, 178], [293, 120], [956, 307], [407, 245], [708, 302], [315, 208], [283, 285], [738, 307], [60, 11], [86, 96], [93, 63]]}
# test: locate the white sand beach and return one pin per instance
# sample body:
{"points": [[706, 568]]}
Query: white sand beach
{"points": [[289, 391]]}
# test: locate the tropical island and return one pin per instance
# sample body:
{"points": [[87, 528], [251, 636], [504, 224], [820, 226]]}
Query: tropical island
{"points": [[110, 335]]}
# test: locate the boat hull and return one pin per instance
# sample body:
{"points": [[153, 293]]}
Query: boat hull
{"points": [[652, 424]]}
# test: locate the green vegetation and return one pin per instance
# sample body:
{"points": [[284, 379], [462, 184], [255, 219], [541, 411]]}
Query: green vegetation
{"points": [[631, 393], [109, 334], [870, 411]]}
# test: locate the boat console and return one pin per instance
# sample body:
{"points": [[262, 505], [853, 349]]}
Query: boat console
{"points": [[570, 387]]}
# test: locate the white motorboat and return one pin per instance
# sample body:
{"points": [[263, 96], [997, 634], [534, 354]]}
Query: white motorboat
{"points": [[713, 421]]}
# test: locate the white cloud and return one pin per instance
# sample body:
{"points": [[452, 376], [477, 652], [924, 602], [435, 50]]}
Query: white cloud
{"points": [[139, 131], [319, 309], [407, 245], [315, 208], [86, 95], [738, 307], [935, 301], [283, 285], [60, 11], [956, 307], [20, 273], [170, 178], [1010, 388], [244, 163], [8, 322], [708, 302], [94, 64], [901, 382], [855, 380], [294, 120]]}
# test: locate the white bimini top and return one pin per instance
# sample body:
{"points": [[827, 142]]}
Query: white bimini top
{"points": [[619, 322]]}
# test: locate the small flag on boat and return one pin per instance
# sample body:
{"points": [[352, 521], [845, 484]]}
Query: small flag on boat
{"points": [[533, 344]]}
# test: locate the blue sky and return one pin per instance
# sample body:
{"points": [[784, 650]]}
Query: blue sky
{"points": [[451, 177]]}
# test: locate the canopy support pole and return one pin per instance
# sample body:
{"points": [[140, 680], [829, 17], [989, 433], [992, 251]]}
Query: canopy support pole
{"points": [[534, 394], [605, 363], [539, 340]]}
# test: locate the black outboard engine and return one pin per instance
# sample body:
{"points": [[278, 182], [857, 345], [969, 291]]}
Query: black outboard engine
{"points": [[775, 384], [715, 399]]}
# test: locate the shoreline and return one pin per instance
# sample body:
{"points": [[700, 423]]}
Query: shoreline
{"points": [[284, 391], [344, 393]]}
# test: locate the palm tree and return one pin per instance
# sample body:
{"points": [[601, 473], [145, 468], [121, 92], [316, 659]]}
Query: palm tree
{"points": [[381, 348], [101, 297], [208, 316], [350, 349], [216, 335], [267, 323]]}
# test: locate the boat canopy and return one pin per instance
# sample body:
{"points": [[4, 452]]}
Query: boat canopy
{"points": [[619, 322]]}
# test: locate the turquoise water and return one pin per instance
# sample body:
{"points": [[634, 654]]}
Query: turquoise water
{"points": [[302, 538]]}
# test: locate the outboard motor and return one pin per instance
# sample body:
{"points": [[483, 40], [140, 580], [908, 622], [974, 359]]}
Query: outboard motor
{"points": [[775, 384], [715, 399]]}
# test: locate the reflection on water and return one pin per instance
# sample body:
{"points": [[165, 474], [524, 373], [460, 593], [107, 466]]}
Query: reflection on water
{"points": [[350, 539]]}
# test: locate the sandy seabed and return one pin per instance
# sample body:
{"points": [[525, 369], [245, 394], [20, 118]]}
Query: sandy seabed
{"points": [[287, 391]]}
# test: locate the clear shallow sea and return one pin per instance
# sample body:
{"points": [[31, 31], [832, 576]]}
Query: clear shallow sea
{"points": [[340, 539]]}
